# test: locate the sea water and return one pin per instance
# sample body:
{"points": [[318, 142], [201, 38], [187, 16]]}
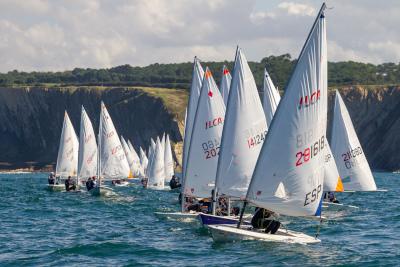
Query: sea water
{"points": [[42, 228]]}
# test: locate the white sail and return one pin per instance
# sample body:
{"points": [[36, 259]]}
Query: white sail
{"points": [[113, 163], [289, 173], [244, 132], [271, 98], [129, 156], [225, 84], [332, 180], [206, 138], [152, 149], [137, 167], [67, 158], [168, 159], [197, 78], [156, 172], [87, 159], [143, 160], [350, 158]]}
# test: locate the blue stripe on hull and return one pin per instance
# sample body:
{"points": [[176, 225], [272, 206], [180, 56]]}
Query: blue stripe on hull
{"points": [[207, 219]]}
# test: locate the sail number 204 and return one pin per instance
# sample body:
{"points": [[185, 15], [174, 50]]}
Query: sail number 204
{"points": [[310, 152]]}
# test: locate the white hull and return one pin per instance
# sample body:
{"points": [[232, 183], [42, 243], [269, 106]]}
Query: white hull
{"points": [[56, 187], [178, 215], [101, 191], [327, 204], [226, 233]]}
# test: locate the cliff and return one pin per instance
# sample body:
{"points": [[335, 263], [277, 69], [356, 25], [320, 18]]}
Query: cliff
{"points": [[31, 119]]}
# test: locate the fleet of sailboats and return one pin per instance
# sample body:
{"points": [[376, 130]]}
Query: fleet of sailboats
{"points": [[266, 152]]}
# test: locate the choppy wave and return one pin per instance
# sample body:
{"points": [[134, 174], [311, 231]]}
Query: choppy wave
{"points": [[39, 227]]}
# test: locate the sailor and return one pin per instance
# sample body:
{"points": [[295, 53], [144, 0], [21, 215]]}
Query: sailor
{"points": [[58, 179], [332, 198], [88, 184], [91, 183], [144, 182], [51, 178], [174, 183], [69, 184], [262, 219]]}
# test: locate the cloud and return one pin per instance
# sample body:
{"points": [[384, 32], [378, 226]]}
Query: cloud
{"points": [[297, 9], [63, 34]]}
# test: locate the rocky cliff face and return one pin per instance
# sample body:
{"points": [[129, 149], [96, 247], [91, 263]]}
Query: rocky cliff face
{"points": [[31, 119]]}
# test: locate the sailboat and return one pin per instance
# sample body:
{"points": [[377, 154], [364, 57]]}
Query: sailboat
{"points": [[225, 84], [143, 161], [351, 161], [138, 170], [168, 159], [156, 178], [195, 88], [271, 98], [332, 180], [204, 147], [129, 158], [112, 163], [244, 132], [87, 159], [289, 173], [67, 158]]}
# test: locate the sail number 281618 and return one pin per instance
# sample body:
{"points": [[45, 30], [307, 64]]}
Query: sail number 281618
{"points": [[310, 152]]}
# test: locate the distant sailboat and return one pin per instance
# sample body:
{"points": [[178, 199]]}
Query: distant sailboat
{"points": [[225, 84], [137, 170], [332, 180], [130, 159], [112, 163], [67, 158], [350, 158], [143, 160], [156, 178], [288, 177], [168, 159], [87, 159], [270, 98]]}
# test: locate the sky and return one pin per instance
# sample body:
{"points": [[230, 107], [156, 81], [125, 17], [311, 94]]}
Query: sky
{"points": [[57, 35]]}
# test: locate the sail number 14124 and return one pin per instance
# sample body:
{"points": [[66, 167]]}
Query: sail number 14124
{"points": [[304, 156]]}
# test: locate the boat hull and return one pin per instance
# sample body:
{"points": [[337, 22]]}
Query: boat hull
{"points": [[229, 233], [178, 215], [101, 191], [56, 187]]}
